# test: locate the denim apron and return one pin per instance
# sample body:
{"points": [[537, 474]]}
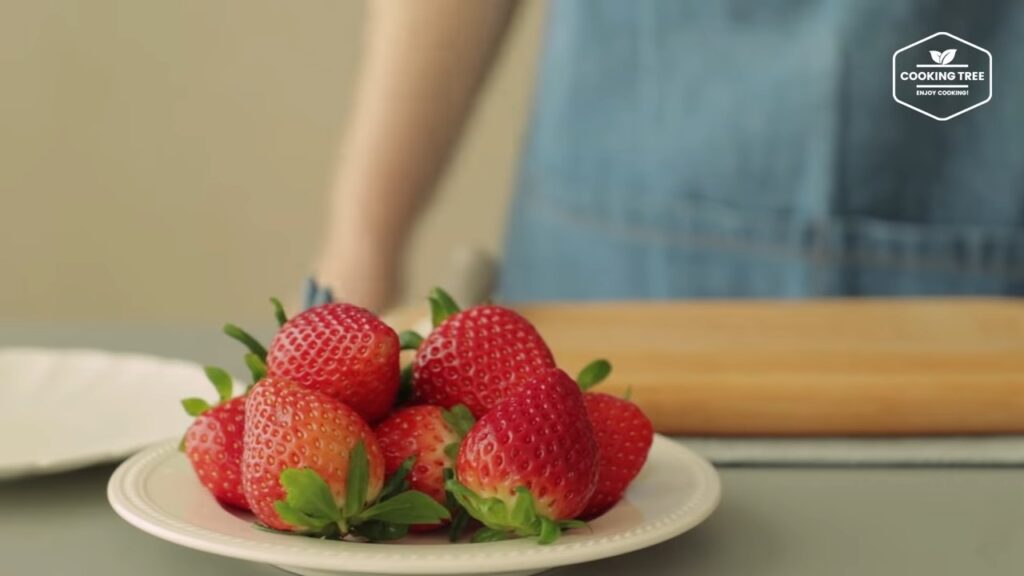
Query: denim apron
{"points": [[751, 148]]}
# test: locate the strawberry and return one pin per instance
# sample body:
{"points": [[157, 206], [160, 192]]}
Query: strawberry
{"points": [[213, 442], [428, 434], [312, 465], [477, 357], [290, 427], [342, 351], [529, 465], [424, 441], [624, 436]]}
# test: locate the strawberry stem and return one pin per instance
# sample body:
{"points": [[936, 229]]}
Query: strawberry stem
{"points": [[279, 314], [405, 386], [257, 367], [247, 340], [358, 482], [442, 306], [221, 381], [409, 340]]}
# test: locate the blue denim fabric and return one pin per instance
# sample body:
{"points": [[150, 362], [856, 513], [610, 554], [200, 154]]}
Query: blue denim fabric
{"points": [[749, 148]]}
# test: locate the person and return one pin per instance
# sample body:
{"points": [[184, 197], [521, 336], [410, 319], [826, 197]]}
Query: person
{"points": [[737, 148]]}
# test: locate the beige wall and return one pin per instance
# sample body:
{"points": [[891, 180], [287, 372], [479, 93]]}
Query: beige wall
{"points": [[166, 162]]}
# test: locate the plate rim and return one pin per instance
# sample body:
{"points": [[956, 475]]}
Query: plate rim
{"points": [[135, 508]]}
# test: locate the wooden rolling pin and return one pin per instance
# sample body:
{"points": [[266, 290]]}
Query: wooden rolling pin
{"points": [[802, 368]]}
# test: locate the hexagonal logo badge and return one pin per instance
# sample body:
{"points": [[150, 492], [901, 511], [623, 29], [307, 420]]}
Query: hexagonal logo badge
{"points": [[942, 76]]}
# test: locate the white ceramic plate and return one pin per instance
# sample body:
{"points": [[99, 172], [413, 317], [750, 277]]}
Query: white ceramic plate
{"points": [[64, 409], [157, 492]]}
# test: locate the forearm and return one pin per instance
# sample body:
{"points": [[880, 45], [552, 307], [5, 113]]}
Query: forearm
{"points": [[423, 65]]}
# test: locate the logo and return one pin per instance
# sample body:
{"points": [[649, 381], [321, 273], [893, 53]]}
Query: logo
{"points": [[942, 76]]}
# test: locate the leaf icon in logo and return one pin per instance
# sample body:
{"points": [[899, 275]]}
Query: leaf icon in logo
{"points": [[948, 55], [936, 56]]}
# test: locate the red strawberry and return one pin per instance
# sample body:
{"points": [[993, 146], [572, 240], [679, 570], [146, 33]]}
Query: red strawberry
{"points": [[288, 426], [342, 351], [431, 435], [213, 442], [530, 464], [624, 436], [213, 445], [477, 357]]}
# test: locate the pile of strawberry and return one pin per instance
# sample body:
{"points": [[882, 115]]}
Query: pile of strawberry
{"points": [[481, 431]]}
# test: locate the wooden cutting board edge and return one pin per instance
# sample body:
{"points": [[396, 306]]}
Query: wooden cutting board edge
{"points": [[841, 367]]}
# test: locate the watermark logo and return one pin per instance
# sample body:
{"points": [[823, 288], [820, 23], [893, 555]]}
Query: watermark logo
{"points": [[942, 76]]}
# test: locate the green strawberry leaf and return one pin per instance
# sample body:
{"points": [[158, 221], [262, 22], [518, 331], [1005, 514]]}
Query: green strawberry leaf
{"points": [[308, 499], [221, 381], [491, 511], [264, 528], [411, 507], [358, 483], [523, 512], [445, 298], [459, 419], [247, 340], [376, 531], [570, 524], [257, 367], [398, 482], [494, 509], [459, 524], [405, 388], [549, 531], [460, 519], [487, 534], [522, 520], [462, 495], [195, 406], [449, 499], [328, 532], [295, 518], [593, 374], [409, 340], [449, 475], [279, 314], [441, 306], [451, 450]]}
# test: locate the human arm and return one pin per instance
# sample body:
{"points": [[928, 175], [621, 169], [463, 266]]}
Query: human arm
{"points": [[424, 63]]}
